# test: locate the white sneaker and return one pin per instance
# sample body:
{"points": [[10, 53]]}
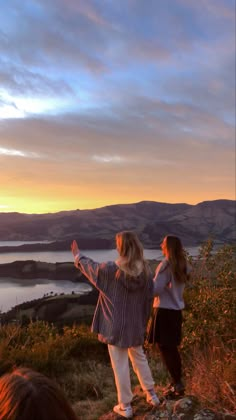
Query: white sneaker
{"points": [[124, 412], [152, 399]]}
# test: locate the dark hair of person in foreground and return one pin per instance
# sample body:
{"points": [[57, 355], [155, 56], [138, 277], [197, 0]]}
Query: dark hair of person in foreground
{"points": [[29, 395]]}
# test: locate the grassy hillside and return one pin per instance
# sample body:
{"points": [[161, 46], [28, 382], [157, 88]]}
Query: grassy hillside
{"points": [[96, 229], [80, 364]]}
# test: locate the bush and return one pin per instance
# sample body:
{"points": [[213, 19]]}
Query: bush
{"points": [[208, 344], [41, 347], [210, 298], [211, 376]]}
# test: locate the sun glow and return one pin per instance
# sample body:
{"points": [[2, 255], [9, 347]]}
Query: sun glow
{"points": [[10, 111], [21, 107]]}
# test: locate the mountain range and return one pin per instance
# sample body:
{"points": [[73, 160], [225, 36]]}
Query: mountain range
{"points": [[151, 220]]}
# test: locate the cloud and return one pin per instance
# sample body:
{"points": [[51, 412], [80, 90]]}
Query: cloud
{"points": [[108, 159], [213, 8], [21, 81], [88, 10], [88, 48], [19, 153], [117, 92]]}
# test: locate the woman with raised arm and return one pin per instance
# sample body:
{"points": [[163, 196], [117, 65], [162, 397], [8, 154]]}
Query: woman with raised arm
{"points": [[123, 307], [29, 395], [169, 282]]}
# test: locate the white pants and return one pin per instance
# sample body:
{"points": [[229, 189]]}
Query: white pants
{"points": [[120, 364]]}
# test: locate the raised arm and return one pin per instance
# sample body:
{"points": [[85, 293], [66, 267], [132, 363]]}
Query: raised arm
{"points": [[91, 269]]}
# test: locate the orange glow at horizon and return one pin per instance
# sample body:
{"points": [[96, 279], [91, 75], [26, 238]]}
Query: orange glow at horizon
{"points": [[52, 204], [43, 185], [82, 127]]}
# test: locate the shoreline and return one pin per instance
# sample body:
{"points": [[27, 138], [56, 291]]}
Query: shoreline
{"points": [[59, 309], [31, 269], [102, 245]]}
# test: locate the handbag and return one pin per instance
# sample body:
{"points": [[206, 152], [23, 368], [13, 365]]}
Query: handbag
{"points": [[150, 331]]}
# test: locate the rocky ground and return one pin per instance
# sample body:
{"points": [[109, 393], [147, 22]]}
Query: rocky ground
{"points": [[185, 408]]}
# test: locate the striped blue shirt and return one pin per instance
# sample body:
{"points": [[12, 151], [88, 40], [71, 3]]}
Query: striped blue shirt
{"points": [[123, 305]]}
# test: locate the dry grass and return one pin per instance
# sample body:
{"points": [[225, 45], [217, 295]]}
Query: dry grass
{"points": [[93, 385], [92, 410], [212, 377], [97, 391]]}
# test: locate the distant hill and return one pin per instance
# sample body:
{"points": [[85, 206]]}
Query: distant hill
{"points": [[151, 220]]}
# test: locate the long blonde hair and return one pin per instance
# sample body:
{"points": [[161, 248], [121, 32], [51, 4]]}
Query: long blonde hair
{"points": [[130, 250], [174, 252]]}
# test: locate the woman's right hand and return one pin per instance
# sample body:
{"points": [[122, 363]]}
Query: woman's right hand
{"points": [[74, 248]]}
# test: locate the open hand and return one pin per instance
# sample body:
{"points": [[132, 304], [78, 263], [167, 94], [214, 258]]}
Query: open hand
{"points": [[74, 248]]}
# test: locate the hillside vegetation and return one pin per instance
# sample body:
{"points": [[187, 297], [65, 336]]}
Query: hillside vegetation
{"points": [[80, 364]]}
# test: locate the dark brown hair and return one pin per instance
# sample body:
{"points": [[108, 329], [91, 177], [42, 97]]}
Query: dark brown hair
{"points": [[29, 395], [174, 252]]}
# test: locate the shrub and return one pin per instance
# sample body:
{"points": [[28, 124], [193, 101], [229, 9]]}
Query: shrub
{"points": [[209, 327], [211, 376], [210, 297], [41, 346]]}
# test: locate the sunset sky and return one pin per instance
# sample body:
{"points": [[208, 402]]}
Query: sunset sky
{"points": [[116, 101]]}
